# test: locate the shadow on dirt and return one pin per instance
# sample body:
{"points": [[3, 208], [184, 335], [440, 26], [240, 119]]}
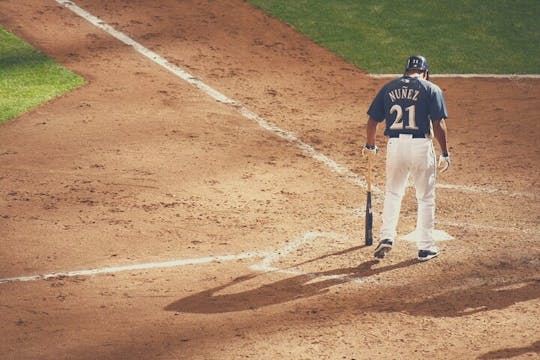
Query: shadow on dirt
{"points": [[247, 293], [473, 300], [534, 348], [293, 288]]}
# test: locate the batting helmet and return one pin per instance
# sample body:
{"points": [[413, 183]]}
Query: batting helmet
{"points": [[417, 62]]}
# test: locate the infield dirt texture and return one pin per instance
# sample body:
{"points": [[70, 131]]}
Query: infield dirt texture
{"points": [[138, 168]]}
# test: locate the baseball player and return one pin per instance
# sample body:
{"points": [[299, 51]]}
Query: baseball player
{"points": [[415, 110]]}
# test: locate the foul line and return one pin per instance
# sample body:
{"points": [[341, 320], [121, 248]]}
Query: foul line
{"points": [[145, 266], [184, 75]]}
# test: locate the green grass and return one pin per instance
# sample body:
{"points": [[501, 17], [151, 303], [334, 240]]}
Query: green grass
{"points": [[456, 36], [28, 78]]}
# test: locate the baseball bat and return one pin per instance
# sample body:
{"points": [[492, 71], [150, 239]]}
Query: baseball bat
{"points": [[369, 209]]}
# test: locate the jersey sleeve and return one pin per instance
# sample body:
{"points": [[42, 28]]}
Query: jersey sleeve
{"points": [[376, 110], [437, 108]]}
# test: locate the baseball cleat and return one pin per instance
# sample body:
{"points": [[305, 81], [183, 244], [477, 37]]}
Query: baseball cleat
{"points": [[383, 247], [424, 255]]}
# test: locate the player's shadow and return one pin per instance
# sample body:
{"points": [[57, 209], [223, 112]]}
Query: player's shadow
{"points": [[464, 302], [216, 300], [534, 348]]}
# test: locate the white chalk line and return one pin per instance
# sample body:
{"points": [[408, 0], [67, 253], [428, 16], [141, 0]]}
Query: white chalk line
{"points": [[184, 75], [264, 266], [290, 137], [495, 229], [134, 267], [489, 228], [486, 190], [466, 76]]}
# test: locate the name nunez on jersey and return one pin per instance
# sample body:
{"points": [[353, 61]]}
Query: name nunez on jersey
{"points": [[404, 93]]}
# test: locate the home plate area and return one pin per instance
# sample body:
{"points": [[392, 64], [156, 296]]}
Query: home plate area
{"points": [[327, 256]]}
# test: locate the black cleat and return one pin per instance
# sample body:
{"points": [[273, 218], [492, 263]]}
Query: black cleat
{"points": [[383, 247], [424, 255]]}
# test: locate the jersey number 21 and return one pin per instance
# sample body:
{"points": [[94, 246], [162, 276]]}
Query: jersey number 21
{"points": [[398, 123]]}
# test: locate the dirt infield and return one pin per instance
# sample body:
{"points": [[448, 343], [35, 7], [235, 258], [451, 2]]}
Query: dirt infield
{"points": [[236, 242]]}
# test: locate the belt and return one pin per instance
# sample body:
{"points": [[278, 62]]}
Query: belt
{"points": [[414, 136]]}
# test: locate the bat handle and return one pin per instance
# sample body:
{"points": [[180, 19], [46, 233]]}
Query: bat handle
{"points": [[369, 175]]}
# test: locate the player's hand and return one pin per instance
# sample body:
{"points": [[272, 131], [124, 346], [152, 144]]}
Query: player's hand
{"points": [[369, 151], [444, 162]]}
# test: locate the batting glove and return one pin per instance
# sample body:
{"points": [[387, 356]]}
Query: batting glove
{"points": [[444, 162], [369, 151]]}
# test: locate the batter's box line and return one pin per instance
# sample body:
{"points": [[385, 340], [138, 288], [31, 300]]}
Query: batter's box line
{"points": [[265, 265], [486, 190], [135, 267], [360, 212], [490, 228]]}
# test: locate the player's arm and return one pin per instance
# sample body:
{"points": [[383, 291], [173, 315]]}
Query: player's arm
{"points": [[371, 132], [440, 132], [375, 111], [370, 149]]}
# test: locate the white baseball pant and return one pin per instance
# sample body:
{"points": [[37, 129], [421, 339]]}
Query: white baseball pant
{"points": [[416, 157]]}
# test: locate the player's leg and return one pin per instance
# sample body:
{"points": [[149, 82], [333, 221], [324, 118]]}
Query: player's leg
{"points": [[424, 174], [397, 172]]}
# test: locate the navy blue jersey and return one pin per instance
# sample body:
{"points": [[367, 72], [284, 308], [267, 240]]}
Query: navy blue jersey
{"points": [[408, 104]]}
